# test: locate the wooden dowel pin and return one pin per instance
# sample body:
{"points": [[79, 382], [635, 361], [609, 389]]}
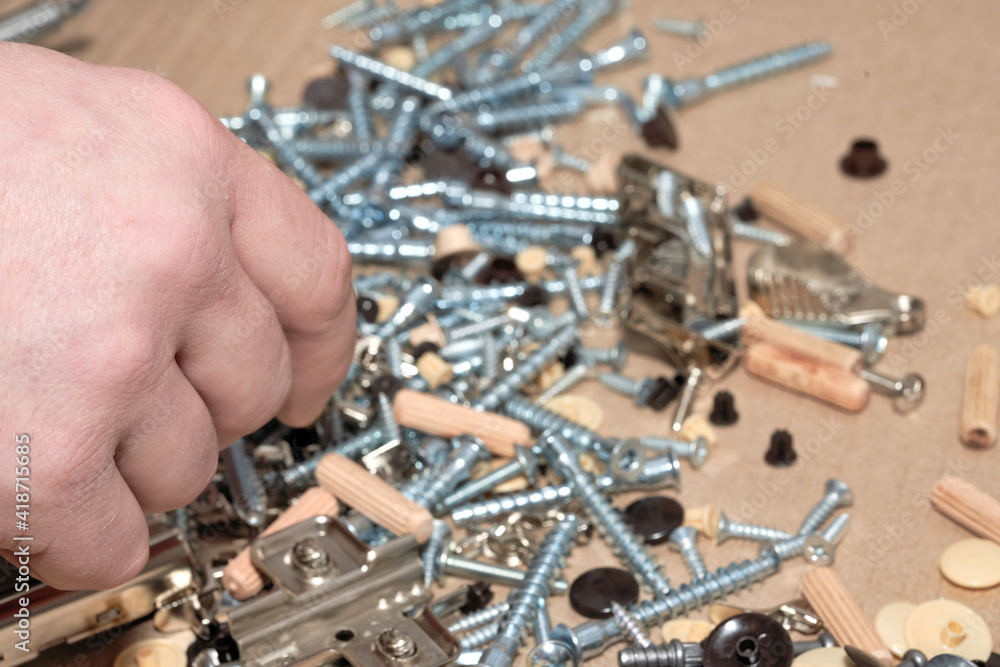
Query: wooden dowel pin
{"points": [[969, 507], [764, 330], [437, 416], [982, 393], [841, 614], [374, 497], [805, 374], [240, 577], [801, 217]]}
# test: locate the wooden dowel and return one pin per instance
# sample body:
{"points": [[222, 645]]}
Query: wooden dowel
{"points": [[841, 614], [966, 505], [801, 217], [982, 393], [374, 497], [827, 383], [437, 416], [240, 577], [764, 330]]}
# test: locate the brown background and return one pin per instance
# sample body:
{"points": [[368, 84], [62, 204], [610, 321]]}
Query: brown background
{"points": [[904, 84]]}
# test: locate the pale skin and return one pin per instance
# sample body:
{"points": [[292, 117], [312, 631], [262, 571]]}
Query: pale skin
{"points": [[166, 290]]}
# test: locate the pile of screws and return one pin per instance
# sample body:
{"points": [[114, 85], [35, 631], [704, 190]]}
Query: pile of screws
{"points": [[429, 161]]}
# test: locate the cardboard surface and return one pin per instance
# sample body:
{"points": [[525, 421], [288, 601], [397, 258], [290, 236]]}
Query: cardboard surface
{"points": [[917, 75]]}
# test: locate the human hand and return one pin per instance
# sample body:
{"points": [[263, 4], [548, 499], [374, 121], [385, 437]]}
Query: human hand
{"points": [[166, 290]]}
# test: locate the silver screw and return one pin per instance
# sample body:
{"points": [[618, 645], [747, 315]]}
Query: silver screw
{"points": [[26, 24], [570, 378], [385, 72], [413, 304], [605, 517], [684, 540], [455, 470], [837, 494], [525, 463], [507, 120], [615, 356], [686, 400], [478, 619], [552, 646], [524, 599], [789, 548], [907, 391], [678, 94], [480, 636], [692, 29], [660, 472], [629, 626], [638, 389], [303, 474], [588, 17], [357, 102], [746, 531], [869, 340], [673, 654], [248, 494], [819, 548], [722, 329], [748, 232], [440, 534], [696, 452], [505, 386], [450, 564], [576, 298], [612, 286]]}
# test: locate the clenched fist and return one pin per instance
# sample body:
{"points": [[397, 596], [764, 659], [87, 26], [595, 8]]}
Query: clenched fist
{"points": [[165, 290]]}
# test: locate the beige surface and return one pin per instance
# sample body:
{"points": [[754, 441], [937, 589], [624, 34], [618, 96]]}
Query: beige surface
{"points": [[927, 86]]}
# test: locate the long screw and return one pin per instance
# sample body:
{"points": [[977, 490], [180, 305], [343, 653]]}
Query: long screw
{"points": [[606, 518], [907, 391], [870, 340], [673, 654], [478, 619], [245, 485], [683, 539], [746, 531], [476, 570], [524, 599], [524, 463], [505, 386], [837, 494], [609, 295]]}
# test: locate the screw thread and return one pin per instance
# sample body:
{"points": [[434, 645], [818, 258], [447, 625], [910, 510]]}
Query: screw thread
{"points": [[455, 470], [570, 379], [686, 399], [845, 337], [886, 384], [482, 148], [558, 234], [512, 502], [357, 104], [245, 484], [387, 419], [435, 543], [491, 360], [791, 547], [673, 654], [696, 224], [566, 38], [612, 285], [485, 483], [387, 73], [576, 298], [629, 626], [541, 420], [758, 234], [285, 150], [505, 386], [537, 583], [478, 328], [478, 619], [755, 532], [692, 558], [532, 115], [607, 518], [620, 384], [330, 149], [480, 636], [818, 515]]}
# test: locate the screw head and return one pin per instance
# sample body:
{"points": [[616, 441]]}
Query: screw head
{"points": [[699, 452], [529, 462], [627, 460], [910, 394], [818, 550], [681, 537], [561, 650], [844, 493], [873, 344]]}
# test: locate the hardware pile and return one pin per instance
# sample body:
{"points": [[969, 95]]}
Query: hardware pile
{"points": [[476, 292]]}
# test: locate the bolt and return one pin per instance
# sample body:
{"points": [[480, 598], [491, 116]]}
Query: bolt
{"points": [[396, 644], [525, 463], [615, 356], [684, 540], [505, 386], [612, 286], [653, 392], [629, 626], [478, 619], [680, 94], [907, 392], [824, 640], [869, 340], [605, 517], [660, 472], [819, 548], [673, 654], [746, 531], [536, 585], [696, 451], [245, 486], [837, 494], [310, 556], [686, 401], [693, 29], [440, 534], [573, 376]]}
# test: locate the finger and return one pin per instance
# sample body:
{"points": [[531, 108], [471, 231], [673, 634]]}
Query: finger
{"points": [[234, 353], [170, 457], [99, 543], [297, 257]]}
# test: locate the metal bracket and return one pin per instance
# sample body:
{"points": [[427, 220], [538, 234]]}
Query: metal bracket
{"points": [[337, 600]]}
